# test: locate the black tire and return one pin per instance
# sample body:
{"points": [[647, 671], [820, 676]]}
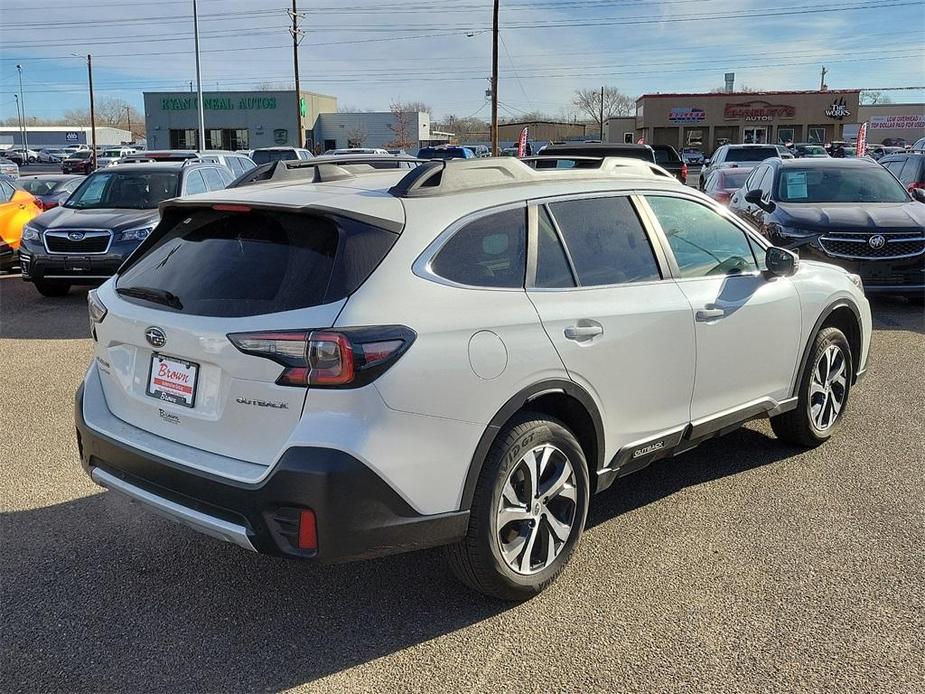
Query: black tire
{"points": [[798, 425], [477, 560], [46, 288]]}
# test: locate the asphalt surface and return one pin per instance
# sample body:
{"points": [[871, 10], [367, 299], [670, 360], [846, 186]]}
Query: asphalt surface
{"points": [[743, 566]]}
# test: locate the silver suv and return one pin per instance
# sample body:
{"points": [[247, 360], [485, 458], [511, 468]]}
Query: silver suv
{"points": [[462, 354]]}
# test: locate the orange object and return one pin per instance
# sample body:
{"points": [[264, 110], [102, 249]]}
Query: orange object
{"points": [[16, 209]]}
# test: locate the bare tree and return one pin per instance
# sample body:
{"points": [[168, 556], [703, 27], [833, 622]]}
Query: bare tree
{"points": [[404, 116], [466, 129], [356, 136], [418, 106], [115, 113], [616, 103], [872, 97], [273, 86]]}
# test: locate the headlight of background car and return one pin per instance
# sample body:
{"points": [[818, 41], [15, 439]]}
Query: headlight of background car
{"points": [[31, 233], [137, 234]]}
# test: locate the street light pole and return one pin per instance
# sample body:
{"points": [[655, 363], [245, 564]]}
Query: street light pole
{"points": [[295, 68], [202, 121], [494, 82], [92, 110], [19, 117], [128, 114], [22, 104]]}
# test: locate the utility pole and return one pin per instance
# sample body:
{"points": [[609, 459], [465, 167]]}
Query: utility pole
{"points": [[202, 118], [92, 111], [494, 82], [128, 114], [822, 85], [22, 105], [602, 114], [296, 35], [19, 117]]}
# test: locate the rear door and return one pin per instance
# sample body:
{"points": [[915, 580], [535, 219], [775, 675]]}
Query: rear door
{"points": [[622, 328], [166, 363], [748, 326]]}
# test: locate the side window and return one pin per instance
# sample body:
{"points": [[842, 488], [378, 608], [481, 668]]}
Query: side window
{"points": [[754, 178], [194, 183], [488, 252], [767, 180], [552, 269], [909, 172], [237, 165], [606, 241], [6, 191], [703, 242], [213, 178]]}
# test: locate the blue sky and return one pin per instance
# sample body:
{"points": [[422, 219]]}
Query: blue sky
{"points": [[368, 52]]}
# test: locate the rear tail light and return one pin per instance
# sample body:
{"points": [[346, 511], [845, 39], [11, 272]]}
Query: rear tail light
{"points": [[683, 173], [308, 530], [347, 358], [916, 184]]}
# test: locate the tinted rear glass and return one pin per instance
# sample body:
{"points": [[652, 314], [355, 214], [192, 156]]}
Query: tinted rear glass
{"points": [[733, 179], [245, 264], [643, 153], [39, 186], [751, 153], [446, 153], [666, 156], [268, 155]]}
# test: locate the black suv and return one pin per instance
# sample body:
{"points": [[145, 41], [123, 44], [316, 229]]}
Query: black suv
{"points": [[85, 240], [668, 158], [849, 212]]}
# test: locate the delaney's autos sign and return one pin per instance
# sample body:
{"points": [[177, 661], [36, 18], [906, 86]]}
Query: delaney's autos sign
{"points": [[914, 120], [686, 114], [758, 111]]}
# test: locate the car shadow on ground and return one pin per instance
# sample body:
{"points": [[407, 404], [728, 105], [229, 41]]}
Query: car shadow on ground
{"points": [[896, 313], [27, 315], [101, 595]]}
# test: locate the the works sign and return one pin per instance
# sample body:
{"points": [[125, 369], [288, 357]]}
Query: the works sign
{"points": [[219, 103], [758, 111]]}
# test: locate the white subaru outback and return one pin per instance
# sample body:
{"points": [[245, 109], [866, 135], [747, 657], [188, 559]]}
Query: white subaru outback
{"points": [[372, 361]]}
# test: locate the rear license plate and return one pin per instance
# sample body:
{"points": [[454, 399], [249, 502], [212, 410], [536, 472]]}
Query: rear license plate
{"points": [[173, 380]]}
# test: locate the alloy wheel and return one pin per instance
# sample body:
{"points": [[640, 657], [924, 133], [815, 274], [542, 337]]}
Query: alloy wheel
{"points": [[828, 387], [537, 509]]}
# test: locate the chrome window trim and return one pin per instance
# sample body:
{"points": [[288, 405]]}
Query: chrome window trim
{"points": [[423, 265], [59, 233]]}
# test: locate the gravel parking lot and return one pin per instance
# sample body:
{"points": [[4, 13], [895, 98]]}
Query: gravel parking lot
{"points": [[745, 565]]}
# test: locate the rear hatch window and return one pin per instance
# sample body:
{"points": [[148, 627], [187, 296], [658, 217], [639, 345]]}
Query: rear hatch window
{"points": [[751, 153], [232, 264], [267, 155]]}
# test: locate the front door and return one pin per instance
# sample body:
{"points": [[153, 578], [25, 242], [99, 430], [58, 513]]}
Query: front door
{"points": [[756, 136], [747, 324], [622, 331]]}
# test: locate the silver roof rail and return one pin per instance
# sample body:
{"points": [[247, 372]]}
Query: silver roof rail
{"points": [[442, 177]]}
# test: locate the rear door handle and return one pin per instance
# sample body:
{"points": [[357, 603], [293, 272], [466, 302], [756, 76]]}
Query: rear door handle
{"points": [[705, 314], [583, 332]]}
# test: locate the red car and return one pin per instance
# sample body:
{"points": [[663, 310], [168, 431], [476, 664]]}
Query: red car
{"points": [[79, 162], [722, 183]]}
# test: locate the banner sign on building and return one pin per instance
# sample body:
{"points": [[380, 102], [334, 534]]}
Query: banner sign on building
{"points": [[686, 114], [758, 111], [862, 140], [522, 143], [838, 109], [71, 136], [914, 120]]}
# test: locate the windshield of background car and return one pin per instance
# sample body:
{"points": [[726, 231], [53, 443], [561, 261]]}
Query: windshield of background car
{"points": [[81, 154], [733, 178], [268, 155], [39, 186], [125, 190], [824, 184], [751, 153]]}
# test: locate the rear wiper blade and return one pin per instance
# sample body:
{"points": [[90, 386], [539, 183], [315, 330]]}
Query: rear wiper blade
{"points": [[157, 296]]}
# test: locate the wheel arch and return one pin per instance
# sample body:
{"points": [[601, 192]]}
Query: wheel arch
{"points": [[844, 315], [563, 400]]}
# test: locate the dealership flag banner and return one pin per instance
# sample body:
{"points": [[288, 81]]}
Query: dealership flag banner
{"points": [[862, 141], [522, 143]]}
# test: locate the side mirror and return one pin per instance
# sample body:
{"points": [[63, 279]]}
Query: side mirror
{"points": [[756, 197], [781, 262], [918, 194]]}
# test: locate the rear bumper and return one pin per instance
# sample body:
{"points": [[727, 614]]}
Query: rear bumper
{"points": [[358, 515]]}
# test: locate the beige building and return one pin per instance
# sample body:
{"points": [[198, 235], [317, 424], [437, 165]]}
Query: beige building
{"points": [[891, 121], [708, 120]]}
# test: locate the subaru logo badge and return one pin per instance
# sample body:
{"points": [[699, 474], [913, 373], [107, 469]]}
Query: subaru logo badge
{"points": [[76, 236], [155, 336], [877, 241]]}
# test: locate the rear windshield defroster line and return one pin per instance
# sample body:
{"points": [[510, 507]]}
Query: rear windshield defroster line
{"points": [[233, 264]]}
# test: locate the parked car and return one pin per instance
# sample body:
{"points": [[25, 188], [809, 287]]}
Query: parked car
{"points": [[85, 240], [22, 156], [78, 162], [260, 374], [668, 158], [879, 151], [76, 148], [355, 150], [850, 212], [51, 156], [293, 169], [9, 168], [17, 207], [112, 156], [908, 168], [480, 150], [446, 152], [747, 156], [236, 163], [264, 155], [803, 150], [155, 155], [722, 183], [50, 190], [579, 149], [895, 142], [918, 145], [692, 156]]}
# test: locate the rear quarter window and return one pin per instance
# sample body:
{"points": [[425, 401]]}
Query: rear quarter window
{"points": [[490, 251]]}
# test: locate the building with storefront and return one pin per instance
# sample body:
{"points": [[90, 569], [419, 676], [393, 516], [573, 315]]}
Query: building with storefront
{"points": [[889, 122], [708, 120], [234, 120]]}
